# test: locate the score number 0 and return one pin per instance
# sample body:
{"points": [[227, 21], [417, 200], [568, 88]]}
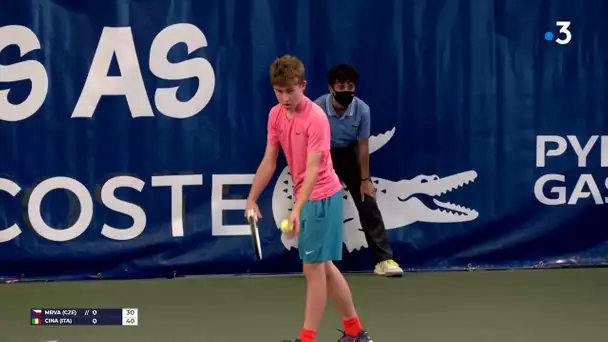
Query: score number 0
{"points": [[563, 28], [94, 320]]}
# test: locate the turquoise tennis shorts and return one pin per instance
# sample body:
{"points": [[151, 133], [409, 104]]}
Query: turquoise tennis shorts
{"points": [[322, 229]]}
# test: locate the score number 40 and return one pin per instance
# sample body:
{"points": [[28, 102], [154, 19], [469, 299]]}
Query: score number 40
{"points": [[129, 317]]}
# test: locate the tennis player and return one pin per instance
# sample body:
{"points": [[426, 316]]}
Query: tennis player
{"points": [[301, 129]]}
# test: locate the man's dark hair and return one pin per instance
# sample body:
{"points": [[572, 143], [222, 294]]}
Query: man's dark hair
{"points": [[342, 73]]}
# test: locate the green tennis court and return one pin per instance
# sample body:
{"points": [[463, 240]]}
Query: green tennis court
{"points": [[479, 306]]}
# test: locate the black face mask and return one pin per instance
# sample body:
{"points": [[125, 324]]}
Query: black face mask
{"points": [[344, 98]]}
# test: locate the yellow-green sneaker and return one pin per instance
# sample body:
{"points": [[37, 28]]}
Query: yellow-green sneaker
{"points": [[388, 268]]}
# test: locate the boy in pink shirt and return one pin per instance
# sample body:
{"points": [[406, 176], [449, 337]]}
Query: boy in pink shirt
{"points": [[301, 129]]}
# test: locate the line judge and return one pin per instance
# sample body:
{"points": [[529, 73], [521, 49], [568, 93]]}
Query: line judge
{"points": [[349, 119]]}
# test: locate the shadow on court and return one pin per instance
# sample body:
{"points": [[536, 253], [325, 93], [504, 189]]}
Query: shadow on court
{"points": [[496, 306]]}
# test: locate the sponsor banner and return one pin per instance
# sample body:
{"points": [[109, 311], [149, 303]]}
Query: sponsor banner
{"points": [[130, 133]]}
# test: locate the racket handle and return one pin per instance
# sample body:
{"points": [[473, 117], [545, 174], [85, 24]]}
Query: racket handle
{"points": [[251, 216]]}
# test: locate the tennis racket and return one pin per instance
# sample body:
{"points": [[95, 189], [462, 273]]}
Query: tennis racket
{"points": [[255, 233]]}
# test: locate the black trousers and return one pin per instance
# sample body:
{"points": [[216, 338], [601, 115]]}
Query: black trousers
{"points": [[346, 165]]}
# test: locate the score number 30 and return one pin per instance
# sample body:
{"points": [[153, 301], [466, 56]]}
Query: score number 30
{"points": [[129, 317]]}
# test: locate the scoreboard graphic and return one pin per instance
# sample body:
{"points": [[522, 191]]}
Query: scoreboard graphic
{"points": [[54, 316]]}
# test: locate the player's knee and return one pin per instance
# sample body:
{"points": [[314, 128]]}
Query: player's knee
{"points": [[314, 269], [330, 269]]}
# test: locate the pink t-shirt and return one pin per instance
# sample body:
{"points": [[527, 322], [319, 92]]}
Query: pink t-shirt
{"points": [[307, 131]]}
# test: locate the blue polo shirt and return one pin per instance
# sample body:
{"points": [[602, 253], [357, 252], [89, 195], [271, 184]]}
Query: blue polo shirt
{"points": [[351, 126]]}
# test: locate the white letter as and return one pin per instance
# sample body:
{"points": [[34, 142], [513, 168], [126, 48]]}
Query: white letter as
{"points": [[166, 99], [114, 41], [84, 199], [34, 71], [606, 186], [541, 148], [578, 193], [218, 205], [176, 182], [136, 212], [13, 189], [559, 190]]}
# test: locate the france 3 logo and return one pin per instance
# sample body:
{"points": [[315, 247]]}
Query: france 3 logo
{"points": [[564, 35]]}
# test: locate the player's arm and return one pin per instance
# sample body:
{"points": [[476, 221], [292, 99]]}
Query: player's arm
{"points": [[363, 143], [313, 162], [264, 173], [269, 162]]}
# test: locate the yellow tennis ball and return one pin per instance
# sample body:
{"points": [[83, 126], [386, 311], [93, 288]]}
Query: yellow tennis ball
{"points": [[285, 226]]}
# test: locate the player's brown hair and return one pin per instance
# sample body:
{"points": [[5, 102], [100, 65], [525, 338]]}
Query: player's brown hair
{"points": [[286, 71]]}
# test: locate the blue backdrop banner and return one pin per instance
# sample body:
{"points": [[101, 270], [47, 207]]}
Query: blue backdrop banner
{"points": [[130, 131]]}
